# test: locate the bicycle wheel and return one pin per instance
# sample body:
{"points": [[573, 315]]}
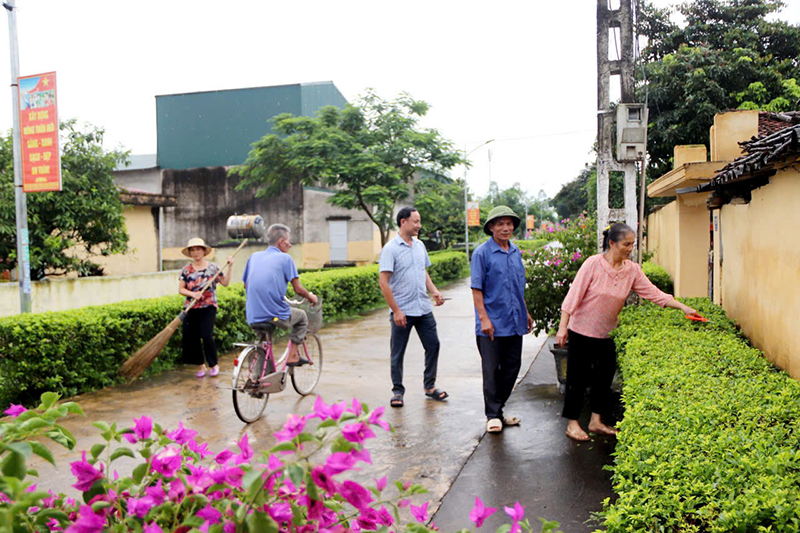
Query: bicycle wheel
{"points": [[306, 377], [248, 403]]}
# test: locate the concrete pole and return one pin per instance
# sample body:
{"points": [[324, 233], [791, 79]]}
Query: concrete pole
{"points": [[23, 250]]}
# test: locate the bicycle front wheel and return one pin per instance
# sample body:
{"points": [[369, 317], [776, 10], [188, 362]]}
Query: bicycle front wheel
{"points": [[247, 401], [306, 377]]}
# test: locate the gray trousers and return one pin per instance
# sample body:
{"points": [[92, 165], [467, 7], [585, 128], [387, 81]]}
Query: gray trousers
{"points": [[298, 323]]}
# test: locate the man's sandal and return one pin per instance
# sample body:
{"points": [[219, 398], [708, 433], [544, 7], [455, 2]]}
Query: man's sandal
{"points": [[438, 395], [494, 425], [511, 420], [396, 401]]}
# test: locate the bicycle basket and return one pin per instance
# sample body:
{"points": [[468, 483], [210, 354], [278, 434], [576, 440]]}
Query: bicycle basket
{"points": [[314, 313]]}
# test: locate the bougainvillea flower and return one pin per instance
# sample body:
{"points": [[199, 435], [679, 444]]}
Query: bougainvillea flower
{"points": [[480, 512], [130, 437], [358, 432], [142, 427], [210, 514], [368, 519], [53, 525], [321, 409], [229, 527], [274, 464], [14, 410], [323, 480], [223, 457], [355, 494], [87, 522], [199, 479], [201, 450], [246, 451], [375, 418], [385, 517], [293, 427], [335, 410], [139, 507], [339, 462], [233, 476], [86, 473], [516, 513], [156, 493], [182, 435], [167, 462], [380, 484], [420, 513], [280, 512], [362, 455], [356, 408], [152, 528], [5, 499]]}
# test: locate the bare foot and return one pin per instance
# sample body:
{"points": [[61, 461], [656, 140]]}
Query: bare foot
{"points": [[576, 432], [602, 429]]}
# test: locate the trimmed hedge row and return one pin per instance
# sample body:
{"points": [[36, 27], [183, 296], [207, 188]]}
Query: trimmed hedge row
{"points": [[81, 350], [658, 276], [531, 245], [710, 439]]}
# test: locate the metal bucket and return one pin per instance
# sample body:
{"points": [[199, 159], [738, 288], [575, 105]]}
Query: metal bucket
{"points": [[246, 227]]}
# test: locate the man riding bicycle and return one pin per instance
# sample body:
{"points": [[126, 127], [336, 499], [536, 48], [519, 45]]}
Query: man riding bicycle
{"points": [[266, 277]]}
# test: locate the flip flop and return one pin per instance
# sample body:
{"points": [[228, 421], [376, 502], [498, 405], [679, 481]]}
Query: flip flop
{"points": [[438, 395], [494, 425], [511, 420], [396, 401], [214, 372], [200, 374]]}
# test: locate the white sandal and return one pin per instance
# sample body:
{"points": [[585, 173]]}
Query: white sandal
{"points": [[511, 420], [495, 425]]}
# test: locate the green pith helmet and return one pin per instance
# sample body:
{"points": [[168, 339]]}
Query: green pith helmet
{"points": [[498, 212]]}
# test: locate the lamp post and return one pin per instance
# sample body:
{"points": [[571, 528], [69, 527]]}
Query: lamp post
{"points": [[466, 211]]}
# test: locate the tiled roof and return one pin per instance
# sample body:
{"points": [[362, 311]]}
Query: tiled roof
{"points": [[769, 123], [760, 152]]}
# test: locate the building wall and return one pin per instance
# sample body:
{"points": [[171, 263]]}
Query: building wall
{"points": [[72, 293], [207, 197], [142, 255], [662, 239], [148, 180], [760, 268], [729, 128], [694, 238]]}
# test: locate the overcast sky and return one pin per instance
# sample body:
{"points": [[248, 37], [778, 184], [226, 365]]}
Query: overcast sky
{"points": [[520, 72]]}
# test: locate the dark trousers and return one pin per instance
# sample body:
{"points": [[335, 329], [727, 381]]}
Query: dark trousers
{"points": [[501, 360], [426, 329], [199, 326], [590, 362]]}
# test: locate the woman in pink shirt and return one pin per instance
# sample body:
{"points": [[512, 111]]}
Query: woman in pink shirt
{"points": [[588, 315]]}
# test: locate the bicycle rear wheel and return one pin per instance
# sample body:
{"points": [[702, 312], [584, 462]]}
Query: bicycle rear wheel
{"points": [[247, 402], [306, 377]]}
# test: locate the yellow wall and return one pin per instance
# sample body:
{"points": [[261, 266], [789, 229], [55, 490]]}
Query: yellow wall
{"points": [[662, 237], [694, 238], [142, 255], [689, 153], [729, 128], [316, 254], [760, 278]]}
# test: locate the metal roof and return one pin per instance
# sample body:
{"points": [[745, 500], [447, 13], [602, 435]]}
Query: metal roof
{"points": [[139, 162]]}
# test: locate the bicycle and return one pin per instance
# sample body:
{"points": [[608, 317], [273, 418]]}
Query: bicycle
{"points": [[255, 376]]}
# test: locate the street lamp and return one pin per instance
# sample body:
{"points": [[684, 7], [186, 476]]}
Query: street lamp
{"points": [[466, 211]]}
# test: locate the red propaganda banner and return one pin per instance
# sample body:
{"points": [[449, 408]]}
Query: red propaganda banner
{"points": [[473, 214], [38, 118], [529, 222]]}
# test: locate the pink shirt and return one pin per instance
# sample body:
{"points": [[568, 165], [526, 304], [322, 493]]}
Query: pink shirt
{"points": [[598, 294]]}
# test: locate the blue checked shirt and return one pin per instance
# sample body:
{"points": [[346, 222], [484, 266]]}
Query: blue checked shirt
{"points": [[407, 263]]}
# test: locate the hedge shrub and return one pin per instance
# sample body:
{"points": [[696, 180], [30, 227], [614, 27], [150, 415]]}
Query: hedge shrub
{"points": [[532, 244], [80, 350], [658, 276], [710, 440]]}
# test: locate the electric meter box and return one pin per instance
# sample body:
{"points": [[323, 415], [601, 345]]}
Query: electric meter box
{"points": [[631, 132]]}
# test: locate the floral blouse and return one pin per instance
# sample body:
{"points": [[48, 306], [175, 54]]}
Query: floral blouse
{"points": [[196, 279]]}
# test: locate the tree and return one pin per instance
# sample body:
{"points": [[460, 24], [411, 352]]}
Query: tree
{"points": [[521, 202], [441, 207], [572, 199], [85, 215], [368, 154], [726, 56]]}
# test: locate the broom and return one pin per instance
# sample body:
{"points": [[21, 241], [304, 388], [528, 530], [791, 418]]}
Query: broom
{"points": [[144, 356]]}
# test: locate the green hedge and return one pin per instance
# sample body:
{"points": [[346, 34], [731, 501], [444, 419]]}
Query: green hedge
{"points": [[658, 276], [81, 350], [710, 439], [531, 245]]}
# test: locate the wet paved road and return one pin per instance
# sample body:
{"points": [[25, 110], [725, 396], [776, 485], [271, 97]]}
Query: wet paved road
{"points": [[431, 442]]}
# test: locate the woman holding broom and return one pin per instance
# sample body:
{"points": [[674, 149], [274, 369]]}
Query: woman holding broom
{"points": [[199, 323]]}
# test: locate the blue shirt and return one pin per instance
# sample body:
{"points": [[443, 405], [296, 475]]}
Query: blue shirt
{"points": [[407, 263], [266, 277], [500, 275]]}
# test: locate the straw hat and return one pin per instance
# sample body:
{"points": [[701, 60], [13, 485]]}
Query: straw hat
{"points": [[197, 241], [498, 212]]}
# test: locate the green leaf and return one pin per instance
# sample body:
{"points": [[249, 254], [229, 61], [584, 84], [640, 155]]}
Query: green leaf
{"points": [[139, 472], [102, 426], [296, 473], [97, 449], [34, 423], [73, 408], [22, 448], [42, 451], [122, 451], [94, 490], [45, 515], [284, 447], [13, 465], [98, 505], [48, 400], [58, 436], [261, 522]]}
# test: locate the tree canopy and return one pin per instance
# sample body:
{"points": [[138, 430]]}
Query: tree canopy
{"points": [[85, 215], [367, 153], [727, 55]]}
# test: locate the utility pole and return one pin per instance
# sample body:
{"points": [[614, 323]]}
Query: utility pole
{"points": [[23, 250], [607, 19]]}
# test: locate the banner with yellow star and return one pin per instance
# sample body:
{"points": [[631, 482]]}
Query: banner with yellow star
{"points": [[38, 118]]}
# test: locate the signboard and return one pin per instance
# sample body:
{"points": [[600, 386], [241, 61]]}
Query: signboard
{"points": [[529, 222], [38, 118], [473, 214]]}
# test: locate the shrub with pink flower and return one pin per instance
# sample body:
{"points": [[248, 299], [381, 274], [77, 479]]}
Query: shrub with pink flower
{"points": [[180, 485]]}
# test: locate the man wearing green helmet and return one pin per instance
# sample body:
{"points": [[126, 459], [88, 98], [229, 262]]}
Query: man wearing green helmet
{"points": [[501, 316]]}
